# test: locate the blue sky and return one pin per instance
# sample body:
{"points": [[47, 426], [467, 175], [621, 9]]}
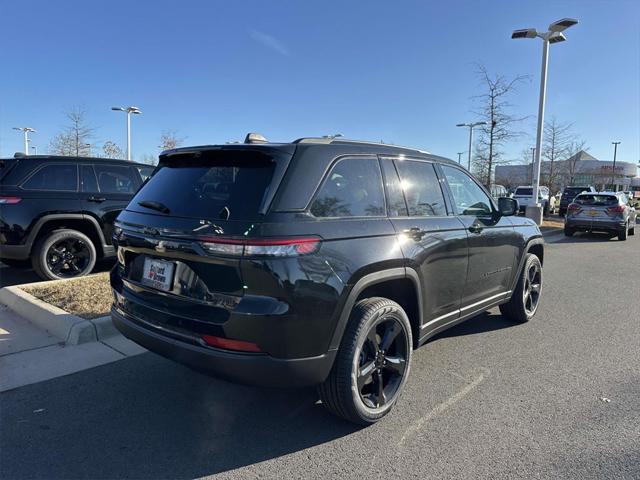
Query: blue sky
{"points": [[398, 71]]}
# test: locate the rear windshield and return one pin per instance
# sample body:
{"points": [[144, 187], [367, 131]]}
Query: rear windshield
{"points": [[596, 200], [524, 191], [573, 191], [222, 185]]}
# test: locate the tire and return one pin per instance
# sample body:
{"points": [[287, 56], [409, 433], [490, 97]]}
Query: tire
{"points": [[525, 299], [622, 234], [13, 263], [63, 254], [355, 397], [545, 209], [632, 230], [568, 232]]}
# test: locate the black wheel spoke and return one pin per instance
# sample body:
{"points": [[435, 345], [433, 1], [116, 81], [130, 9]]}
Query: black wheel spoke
{"points": [[365, 374], [390, 334], [396, 365], [381, 399], [372, 338]]}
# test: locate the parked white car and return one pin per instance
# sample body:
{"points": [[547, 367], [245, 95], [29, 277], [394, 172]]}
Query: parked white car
{"points": [[523, 195]]}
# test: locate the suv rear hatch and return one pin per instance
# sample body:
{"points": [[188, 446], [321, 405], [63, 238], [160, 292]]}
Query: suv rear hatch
{"points": [[181, 239]]}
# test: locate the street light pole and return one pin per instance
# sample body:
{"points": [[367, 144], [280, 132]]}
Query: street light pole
{"points": [[471, 127], [613, 174], [459, 157], [128, 110], [552, 35], [25, 131]]}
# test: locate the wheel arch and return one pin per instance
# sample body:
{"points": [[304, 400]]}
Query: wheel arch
{"points": [[80, 222], [535, 246], [401, 285]]}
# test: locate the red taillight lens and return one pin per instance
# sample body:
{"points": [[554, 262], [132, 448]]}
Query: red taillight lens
{"points": [[9, 200], [228, 344], [574, 207], [269, 247], [616, 209]]}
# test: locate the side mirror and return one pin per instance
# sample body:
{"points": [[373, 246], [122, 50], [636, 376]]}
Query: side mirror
{"points": [[508, 206]]}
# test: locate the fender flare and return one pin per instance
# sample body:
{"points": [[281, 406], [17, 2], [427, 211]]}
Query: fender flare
{"points": [[365, 282], [527, 248], [64, 216]]}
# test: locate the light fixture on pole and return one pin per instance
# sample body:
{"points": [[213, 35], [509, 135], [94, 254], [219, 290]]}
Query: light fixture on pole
{"points": [[25, 131], [35, 150], [552, 35], [459, 157], [471, 127], [129, 111], [613, 173]]}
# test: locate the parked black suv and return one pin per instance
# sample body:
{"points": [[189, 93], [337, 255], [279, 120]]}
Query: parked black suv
{"points": [[57, 213], [568, 194], [318, 262]]}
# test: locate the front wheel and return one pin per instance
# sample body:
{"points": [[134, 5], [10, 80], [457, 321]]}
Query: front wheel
{"points": [[64, 254], [622, 234], [372, 364], [525, 299]]}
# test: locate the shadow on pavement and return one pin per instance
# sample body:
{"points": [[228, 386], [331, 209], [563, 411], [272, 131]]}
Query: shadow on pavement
{"points": [[16, 276], [586, 237], [147, 417]]}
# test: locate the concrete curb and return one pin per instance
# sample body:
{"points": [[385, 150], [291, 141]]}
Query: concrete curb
{"points": [[70, 329]]}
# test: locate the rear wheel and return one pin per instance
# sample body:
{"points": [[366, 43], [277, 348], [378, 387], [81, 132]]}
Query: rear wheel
{"points": [[372, 364], [524, 301], [622, 234], [64, 254], [632, 230]]}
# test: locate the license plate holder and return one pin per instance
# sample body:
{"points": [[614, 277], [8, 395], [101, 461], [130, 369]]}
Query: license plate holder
{"points": [[158, 274]]}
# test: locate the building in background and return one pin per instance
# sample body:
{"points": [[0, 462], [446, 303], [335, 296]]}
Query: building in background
{"points": [[580, 169]]}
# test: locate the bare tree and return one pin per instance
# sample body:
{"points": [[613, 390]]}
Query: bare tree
{"points": [[76, 138], [571, 163], [494, 110], [149, 159], [169, 140], [112, 150], [558, 138]]}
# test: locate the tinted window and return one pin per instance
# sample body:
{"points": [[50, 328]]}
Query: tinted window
{"points": [[115, 179], [353, 188], [395, 200], [88, 179], [596, 200], [145, 172], [421, 189], [54, 177], [469, 198], [203, 187], [524, 191]]}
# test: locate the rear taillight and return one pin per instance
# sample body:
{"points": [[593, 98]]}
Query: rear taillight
{"points": [[264, 247], [574, 208], [9, 200], [228, 344], [616, 209]]}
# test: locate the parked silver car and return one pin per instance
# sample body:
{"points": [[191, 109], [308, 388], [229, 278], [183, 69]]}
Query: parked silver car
{"points": [[601, 212]]}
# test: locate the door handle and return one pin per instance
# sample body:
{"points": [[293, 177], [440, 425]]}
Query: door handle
{"points": [[96, 199], [415, 232], [476, 228]]}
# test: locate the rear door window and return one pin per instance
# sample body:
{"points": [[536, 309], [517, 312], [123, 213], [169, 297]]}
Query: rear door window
{"points": [[116, 179], [227, 185], [395, 199], [88, 179], [421, 189], [59, 177], [353, 188]]}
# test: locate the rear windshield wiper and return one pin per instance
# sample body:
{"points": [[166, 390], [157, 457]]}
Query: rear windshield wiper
{"points": [[160, 207]]}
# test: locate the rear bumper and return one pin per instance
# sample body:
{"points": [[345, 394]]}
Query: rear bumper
{"points": [[247, 368], [595, 225], [14, 252]]}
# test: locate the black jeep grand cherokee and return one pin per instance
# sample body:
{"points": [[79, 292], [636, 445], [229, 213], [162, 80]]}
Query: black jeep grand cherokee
{"points": [[318, 262], [57, 213]]}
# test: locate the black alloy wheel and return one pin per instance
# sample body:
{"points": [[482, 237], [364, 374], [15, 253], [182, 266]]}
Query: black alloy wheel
{"points": [[532, 287], [382, 362], [68, 257]]}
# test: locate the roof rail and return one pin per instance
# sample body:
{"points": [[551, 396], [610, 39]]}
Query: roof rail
{"points": [[330, 139]]}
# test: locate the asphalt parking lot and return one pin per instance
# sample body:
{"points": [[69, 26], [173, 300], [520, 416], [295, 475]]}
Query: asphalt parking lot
{"points": [[556, 398]]}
